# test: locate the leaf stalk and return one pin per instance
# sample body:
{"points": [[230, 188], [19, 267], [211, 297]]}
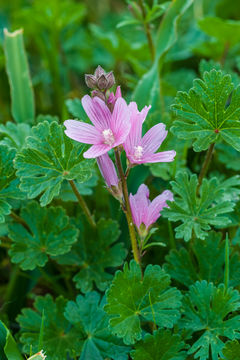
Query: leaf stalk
{"points": [[21, 221], [205, 165]]}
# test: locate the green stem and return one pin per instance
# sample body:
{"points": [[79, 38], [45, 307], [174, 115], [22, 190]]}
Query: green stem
{"points": [[54, 284], [20, 220], [83, 204], [171, 236], [226, 270], [205, 165], [15, 273], [5, 242], [161, 95], [147, 31], [224, 54], [127, 209]]}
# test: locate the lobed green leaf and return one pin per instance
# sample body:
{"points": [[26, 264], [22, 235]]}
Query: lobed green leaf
{"points": [[231, 350], [162, 345], [60, 339], [210, 313], [208, 265], [48, 159], [96, 340], [131, 298], [198, 213], [94, 254], [9, 184], [209, 112], [51, 235]]}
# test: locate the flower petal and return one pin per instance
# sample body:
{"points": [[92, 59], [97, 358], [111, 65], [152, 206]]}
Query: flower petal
{"points": [[156, 206], [153, 138], [140, 204], [96, 151], [134, 210], [137, 118], [97, 111], [120, 123], [143, 191], [163, 156], [82, 132], [107, 169]]}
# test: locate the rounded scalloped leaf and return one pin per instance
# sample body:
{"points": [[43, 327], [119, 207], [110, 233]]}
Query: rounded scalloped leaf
{"points": [[59, 337], [231, 350], [209, 262], [131, 298], [94, 253], [49, 158], [14, 135], [8, 183], [51, 235], [211, 313], [162, 345], [97, 341]]}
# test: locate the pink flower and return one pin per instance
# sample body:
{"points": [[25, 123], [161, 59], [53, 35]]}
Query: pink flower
{"points": [[143, 210], [108, 130], [108, 171], [140, 149]]}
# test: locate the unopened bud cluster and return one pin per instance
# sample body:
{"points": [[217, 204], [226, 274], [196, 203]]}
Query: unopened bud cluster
{"points": [[100, 80]]}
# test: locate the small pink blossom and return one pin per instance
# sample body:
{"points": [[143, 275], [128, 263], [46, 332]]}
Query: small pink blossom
{"points": [[108, 130], [140, 149], [143, 210], [108, 171]]}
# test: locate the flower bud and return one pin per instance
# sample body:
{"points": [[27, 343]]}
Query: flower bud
{"points": [[91, 81], [110, 79], [98, 94], [99, 72], [102, 82]]}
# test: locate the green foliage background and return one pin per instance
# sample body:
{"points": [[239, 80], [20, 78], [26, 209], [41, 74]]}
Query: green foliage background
{"points": [[74, 290]]}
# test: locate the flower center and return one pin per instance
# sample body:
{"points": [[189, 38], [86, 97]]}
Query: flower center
{"points": [[138, 152], [108, 137]]}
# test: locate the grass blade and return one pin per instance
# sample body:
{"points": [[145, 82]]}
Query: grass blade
{"points": [[23, 108]]}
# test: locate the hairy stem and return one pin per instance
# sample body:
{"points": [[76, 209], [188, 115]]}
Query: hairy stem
{"points": [[127, 209], [226, 270], [172, 242], [147, 31], [20, 220], [205, 165], [83, 204], [224, 54]]}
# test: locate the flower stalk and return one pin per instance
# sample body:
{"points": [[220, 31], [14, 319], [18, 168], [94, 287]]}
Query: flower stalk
{"points": [[83, 204], [127, 209]]}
